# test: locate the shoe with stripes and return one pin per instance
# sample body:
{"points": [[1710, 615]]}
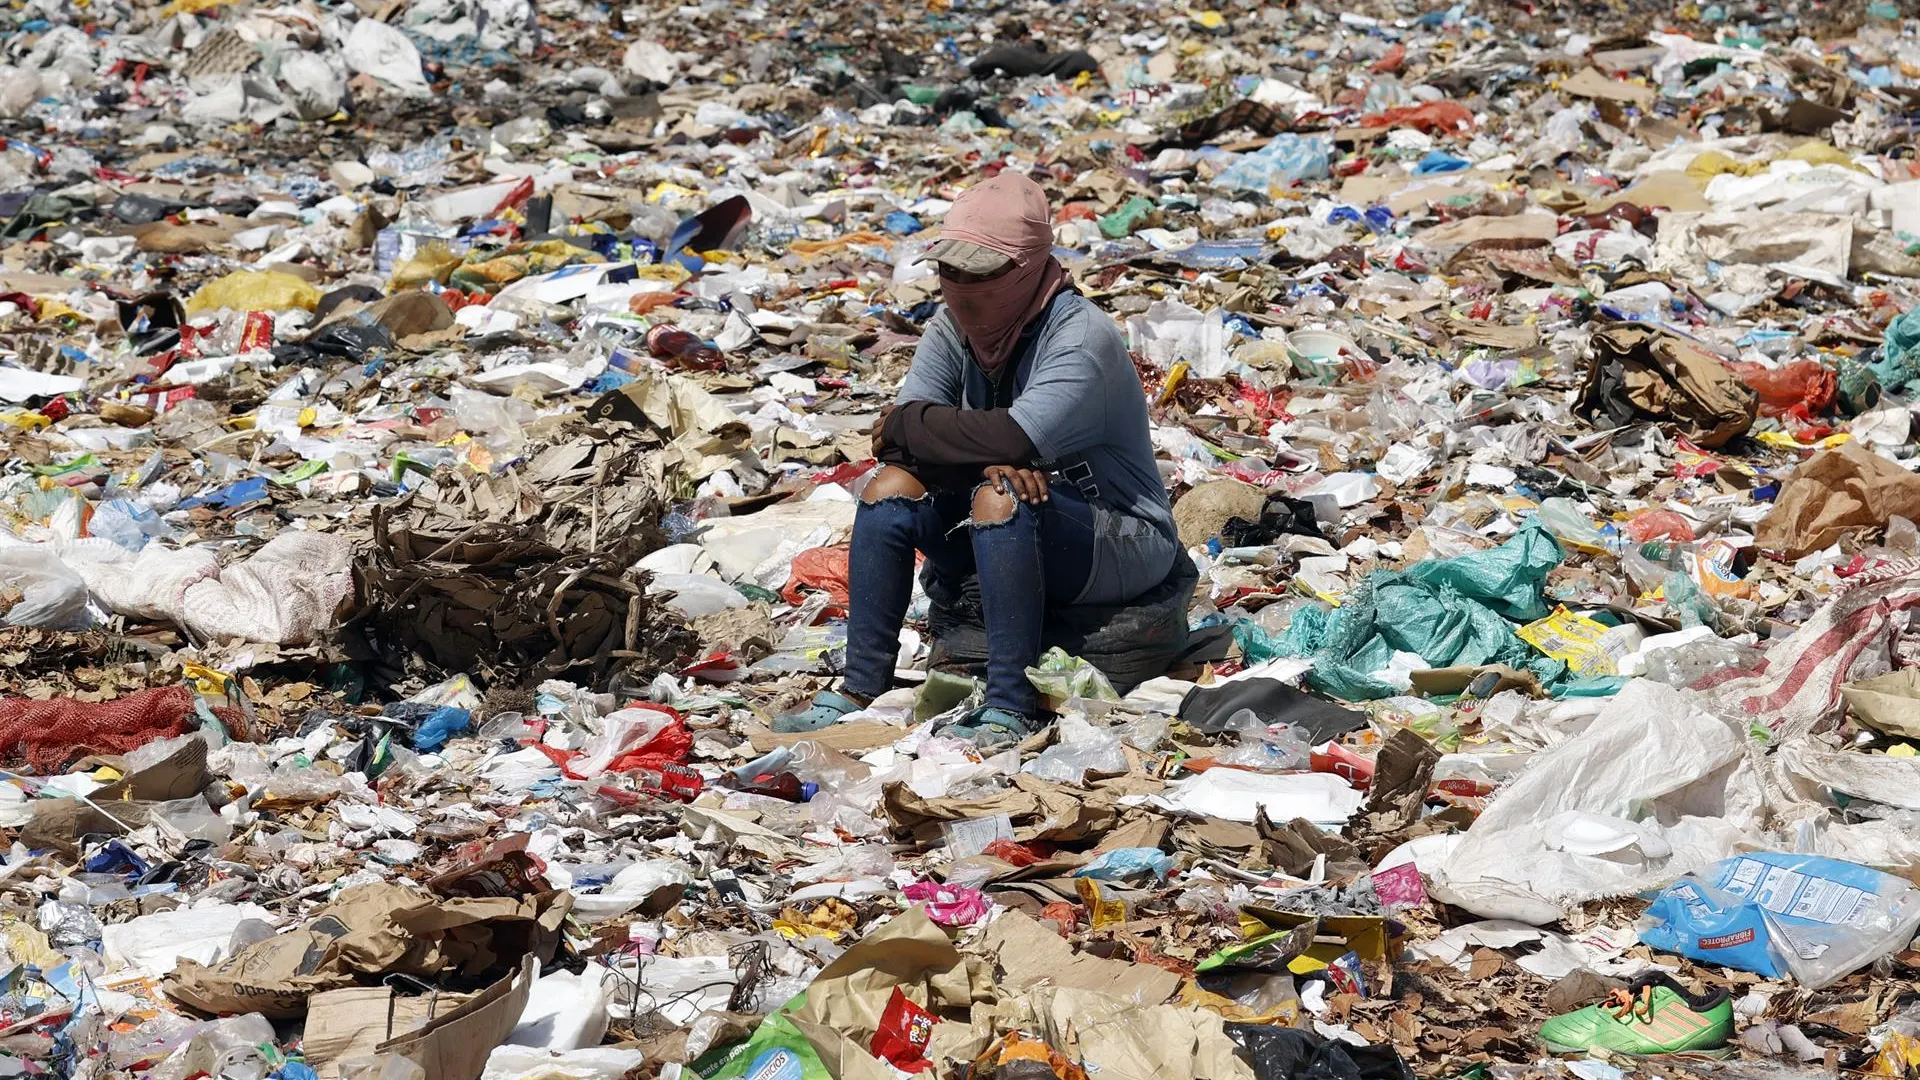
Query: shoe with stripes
{"points": [[1653, 1016]]}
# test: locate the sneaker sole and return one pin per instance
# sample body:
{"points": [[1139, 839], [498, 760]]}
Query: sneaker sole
{"points": [[1562, 1050]]}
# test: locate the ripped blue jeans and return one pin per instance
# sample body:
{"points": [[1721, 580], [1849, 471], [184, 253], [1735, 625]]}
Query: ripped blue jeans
{"points": [[1039, 557]]}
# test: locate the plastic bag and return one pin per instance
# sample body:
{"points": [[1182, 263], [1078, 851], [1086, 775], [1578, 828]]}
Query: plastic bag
{"points": [[192, 819], [776, 1049], [822, 568], [695, 595], [949, 905], [1287, 159], [510, 1062], [628, 737], [255, 290], [1082, 749], [434, 262], [1264, 746], [1433, 117], [1777, 914], [1569, 524], [1449, 612], [1899, 365], [1282, 1053], [1798, 390], [630, 888], [1122, 864], [1060, 677], [38, 589], [564, 1011], [1656, 524], [439, 726], [1652, 755]]}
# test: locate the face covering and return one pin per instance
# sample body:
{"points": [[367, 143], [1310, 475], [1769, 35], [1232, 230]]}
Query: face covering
{"points": [[1007, 214]]}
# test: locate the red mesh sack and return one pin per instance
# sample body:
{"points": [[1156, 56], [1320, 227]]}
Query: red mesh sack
{"points": [[51, 733]]}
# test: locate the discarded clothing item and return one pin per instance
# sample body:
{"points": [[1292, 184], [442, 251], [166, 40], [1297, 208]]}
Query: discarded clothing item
{"points": [[1640, 375], [1283, 1053], [1207, 708]]}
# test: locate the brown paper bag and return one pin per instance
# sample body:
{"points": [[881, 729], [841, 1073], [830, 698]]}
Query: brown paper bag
{"points": [[1837, 492]]}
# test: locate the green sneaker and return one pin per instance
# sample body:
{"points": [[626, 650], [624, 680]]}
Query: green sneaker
{"points": [[1654, 1016]]}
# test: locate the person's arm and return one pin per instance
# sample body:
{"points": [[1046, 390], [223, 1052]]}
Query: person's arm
{"points": [[932, 434], [935, 377], [939, 365]]}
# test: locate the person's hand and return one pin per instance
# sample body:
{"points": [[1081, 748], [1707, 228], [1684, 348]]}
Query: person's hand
{"points": [[1027, 485], [879, 431]]}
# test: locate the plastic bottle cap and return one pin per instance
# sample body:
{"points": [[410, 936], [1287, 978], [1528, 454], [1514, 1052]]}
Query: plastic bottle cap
{"points": [[808, 790]]}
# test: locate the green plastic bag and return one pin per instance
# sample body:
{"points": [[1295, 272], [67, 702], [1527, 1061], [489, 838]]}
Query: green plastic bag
{"points": [[1124, 221], [1060, 675], [775, 1051]]}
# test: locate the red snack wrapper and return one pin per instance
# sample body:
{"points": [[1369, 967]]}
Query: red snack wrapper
{"points": [[904, 1031]]}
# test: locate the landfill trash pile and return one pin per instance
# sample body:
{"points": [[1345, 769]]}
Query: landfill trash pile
{"points": [[434, 434]]}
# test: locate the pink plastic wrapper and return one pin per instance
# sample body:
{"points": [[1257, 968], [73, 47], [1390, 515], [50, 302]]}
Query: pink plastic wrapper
{"points": [[948, 905]]}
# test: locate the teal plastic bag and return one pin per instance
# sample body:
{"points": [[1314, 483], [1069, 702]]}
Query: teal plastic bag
{"points": [[1899, 364], [1449, 612]]}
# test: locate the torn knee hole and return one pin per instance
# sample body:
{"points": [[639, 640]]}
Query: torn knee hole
{"points": [[892, 484], [992, 506]]}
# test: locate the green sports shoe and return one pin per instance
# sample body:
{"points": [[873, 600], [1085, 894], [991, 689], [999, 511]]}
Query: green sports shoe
{"points": [[1653, 1016]]}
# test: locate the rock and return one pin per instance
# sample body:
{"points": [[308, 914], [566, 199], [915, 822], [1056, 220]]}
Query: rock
{"points": [[1200, 513]]}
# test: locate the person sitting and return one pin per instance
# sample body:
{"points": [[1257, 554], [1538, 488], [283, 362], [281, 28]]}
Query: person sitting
{"points": [[1017, 450]]}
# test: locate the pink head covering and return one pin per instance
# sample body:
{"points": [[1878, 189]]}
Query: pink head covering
{"points": [[1007, 214]]}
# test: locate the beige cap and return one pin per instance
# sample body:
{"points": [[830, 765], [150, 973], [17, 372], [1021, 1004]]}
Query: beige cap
{"points": [[966, 257]]}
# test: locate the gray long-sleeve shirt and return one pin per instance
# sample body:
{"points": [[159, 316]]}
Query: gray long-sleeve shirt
{"points": [[1076, 396]]}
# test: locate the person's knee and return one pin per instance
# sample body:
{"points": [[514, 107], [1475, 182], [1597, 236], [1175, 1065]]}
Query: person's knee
{"points": [[892, 482], [992, 506]]}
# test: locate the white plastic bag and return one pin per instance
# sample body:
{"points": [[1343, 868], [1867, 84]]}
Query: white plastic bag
{"points": [[384, 52], [621, 731], [314, 84], [1652, 755], [1237, 795], [629, 888], [511, 1062], [38, 589], [695, 595], [1082, 748], [564, 1011], [152, 945]]}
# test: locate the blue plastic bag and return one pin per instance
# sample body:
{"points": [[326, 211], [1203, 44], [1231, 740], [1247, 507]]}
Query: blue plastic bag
{"points": [[1777, 914], [439, 726], [1123, 863], [1288, 159]]}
